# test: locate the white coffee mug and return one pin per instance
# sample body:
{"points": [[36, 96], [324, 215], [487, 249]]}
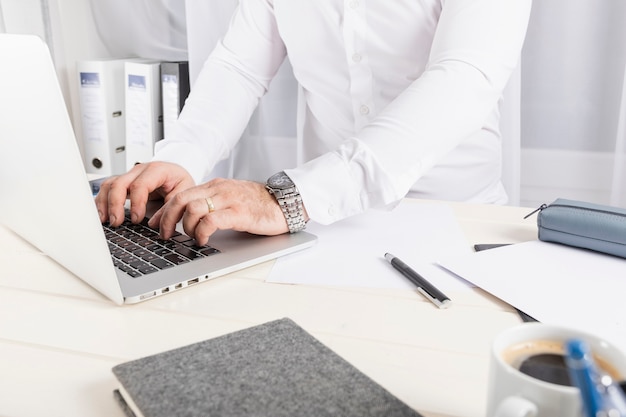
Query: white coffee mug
{"points": [[513, 393]]}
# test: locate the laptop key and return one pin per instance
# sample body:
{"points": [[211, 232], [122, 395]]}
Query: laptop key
{"points": [[147, 232], [149, 257], [206, 251], [130, 271], [192, 244], [144, 242], [138, 264], [162, 251], [176, 258], [147, 269], [188, 253], [169, 244], [124, 243], [133, 248], [140, 252], [181, 238], [161, 263], [125, 257]]}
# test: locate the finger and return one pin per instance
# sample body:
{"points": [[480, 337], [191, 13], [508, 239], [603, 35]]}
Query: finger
{"points": [[146, 181], [171, 213], [195, 211], [157, 180], [102, 199], [123, 187], [209, 224], [204, 229], [155, 220], [116, 190]]}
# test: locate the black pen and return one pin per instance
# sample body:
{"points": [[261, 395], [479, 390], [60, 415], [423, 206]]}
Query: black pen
{"points": [[424, 287]]}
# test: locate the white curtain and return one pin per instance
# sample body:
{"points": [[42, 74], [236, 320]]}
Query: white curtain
{"points": [[510, 119], [572, 95], [155, 29], [618, 183], [3, 28]]}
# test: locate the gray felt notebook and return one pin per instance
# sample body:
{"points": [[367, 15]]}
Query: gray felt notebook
{"points": [[273, 369]]}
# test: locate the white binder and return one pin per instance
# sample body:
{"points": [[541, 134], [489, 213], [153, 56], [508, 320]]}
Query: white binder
{"points": [[101, 92], [175, 89], [144, 114]]}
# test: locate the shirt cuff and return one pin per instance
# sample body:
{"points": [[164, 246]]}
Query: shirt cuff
{"points": [[343, 183]]}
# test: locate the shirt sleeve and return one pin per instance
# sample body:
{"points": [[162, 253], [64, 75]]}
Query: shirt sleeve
{"points": [[475, 49], [216, 113]]}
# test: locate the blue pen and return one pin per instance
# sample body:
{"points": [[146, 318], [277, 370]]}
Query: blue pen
{"points": [[601, 396], [584, 375]]}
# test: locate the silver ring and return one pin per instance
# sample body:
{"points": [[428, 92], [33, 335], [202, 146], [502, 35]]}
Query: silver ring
{"points": [[210, 204]]}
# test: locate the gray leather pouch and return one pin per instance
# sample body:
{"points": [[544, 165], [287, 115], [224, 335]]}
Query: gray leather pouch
{"points": [[584, 225]]}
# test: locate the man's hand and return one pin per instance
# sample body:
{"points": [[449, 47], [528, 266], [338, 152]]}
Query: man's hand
{"points": [[142, 183], [232, 204]]}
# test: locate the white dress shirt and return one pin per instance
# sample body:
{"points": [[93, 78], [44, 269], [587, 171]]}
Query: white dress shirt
{"points": [[399, 97]]}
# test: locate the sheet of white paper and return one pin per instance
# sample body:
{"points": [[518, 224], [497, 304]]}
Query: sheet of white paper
{"points": [[350, 253], [554, 284]]}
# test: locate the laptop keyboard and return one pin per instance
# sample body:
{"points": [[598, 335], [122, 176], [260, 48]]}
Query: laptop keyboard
{"points": [[137, 249]]}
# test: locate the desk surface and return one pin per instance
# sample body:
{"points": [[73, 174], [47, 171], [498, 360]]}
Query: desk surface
{"points": [[59, 338]]}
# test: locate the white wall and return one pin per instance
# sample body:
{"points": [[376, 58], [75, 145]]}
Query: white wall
{"points": [[22, 16]]}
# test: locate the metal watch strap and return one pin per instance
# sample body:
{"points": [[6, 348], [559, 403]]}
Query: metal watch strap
{"points": [[289, 200], [291, 205]]}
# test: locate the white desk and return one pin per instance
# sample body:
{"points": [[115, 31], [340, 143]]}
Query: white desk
{"points": [[59, 338]]}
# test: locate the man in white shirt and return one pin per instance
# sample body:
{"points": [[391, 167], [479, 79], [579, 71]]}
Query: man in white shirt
{"points": [[400, 98]]}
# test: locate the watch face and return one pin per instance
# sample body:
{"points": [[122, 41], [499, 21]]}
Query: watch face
{"points": [[280, 180]]}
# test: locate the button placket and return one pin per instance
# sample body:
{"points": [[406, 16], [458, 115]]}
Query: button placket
{"points": [[355, 34]]}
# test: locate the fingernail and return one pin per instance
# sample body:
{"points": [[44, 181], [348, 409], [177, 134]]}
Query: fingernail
{"points": [[101, 216], [112, 219], [134, 217]]}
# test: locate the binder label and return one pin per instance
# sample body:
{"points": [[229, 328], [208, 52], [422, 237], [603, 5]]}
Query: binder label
{"points": [[136, 82], [93, 108], [89, 79]]}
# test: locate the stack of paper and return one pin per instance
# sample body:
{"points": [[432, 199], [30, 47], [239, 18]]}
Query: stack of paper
{"points": [[555, 284], [350, 253]]}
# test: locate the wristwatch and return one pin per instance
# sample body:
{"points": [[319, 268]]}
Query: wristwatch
{"points": [[289, 200]]}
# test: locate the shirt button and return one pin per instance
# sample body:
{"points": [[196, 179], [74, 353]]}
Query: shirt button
{"points": [[354, 4], [356, 57], [332, 211], [364, 110]]}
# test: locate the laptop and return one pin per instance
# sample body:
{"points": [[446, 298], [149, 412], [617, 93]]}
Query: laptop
{"points": [[46, 197]]}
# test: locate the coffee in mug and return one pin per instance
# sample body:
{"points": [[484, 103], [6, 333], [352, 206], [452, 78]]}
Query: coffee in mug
{"points": [[545, 360], [528, 375]]}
